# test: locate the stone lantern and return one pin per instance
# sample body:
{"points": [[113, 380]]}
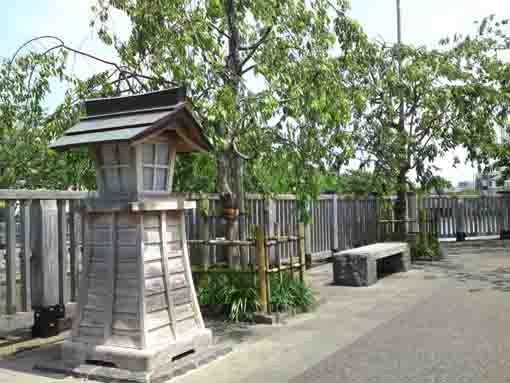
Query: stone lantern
{"points": [[137, 306]]}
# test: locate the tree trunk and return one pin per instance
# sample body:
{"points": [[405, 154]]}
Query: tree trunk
{"points": [[401, 206], [228, 169]]}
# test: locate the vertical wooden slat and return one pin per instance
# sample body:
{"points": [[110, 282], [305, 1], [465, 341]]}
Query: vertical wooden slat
{"points": [[448, 209], [141, 279], [339, 224], [490, 214], [302, 255], [277, 247], [189, 279], [468, 221], [84, 278], [110, 260], [164, 261], [286, 229], [26, 279], [269, 218], [308, 231], [483, 210], [62, 251], [73, 246], [327, 225], [495, 215], [11, 257], [454, 216], [473, 216], [317, 226], [322, 229], [171, 166]]}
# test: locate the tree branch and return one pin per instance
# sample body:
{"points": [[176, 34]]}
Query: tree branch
{"points": [[248, 69], [253, 48], [259, 42], [123, 71], [219, 30]]}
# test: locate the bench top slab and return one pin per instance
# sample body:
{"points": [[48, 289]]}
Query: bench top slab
{"points": [[377, 250]]}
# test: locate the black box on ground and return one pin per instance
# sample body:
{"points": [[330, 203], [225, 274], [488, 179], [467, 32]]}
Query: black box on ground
{"points": [[47, 321]]}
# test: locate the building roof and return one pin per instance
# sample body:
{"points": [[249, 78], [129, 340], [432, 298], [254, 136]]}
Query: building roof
{"points": [[137, 118]]}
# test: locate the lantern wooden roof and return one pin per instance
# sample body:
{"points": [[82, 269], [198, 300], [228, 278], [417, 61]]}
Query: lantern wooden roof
{"points": [[149, 116]]}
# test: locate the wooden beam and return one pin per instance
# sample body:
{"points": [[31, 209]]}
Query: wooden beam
{"points": [[26, 279], [11, 258], [73, 246], [16, 194], [166, 272], [62, 250]]}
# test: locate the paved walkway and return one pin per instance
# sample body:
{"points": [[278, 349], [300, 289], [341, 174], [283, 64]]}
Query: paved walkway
{"points": [[443, 322]]}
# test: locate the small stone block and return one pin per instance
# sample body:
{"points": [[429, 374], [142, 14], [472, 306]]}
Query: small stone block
{"points": [[262, 318]]}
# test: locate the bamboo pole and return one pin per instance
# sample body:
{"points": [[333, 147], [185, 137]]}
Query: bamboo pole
{"points": [[302, 262], [261, 263]]}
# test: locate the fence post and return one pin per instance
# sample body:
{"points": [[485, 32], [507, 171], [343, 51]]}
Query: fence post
{"points": [[10, 264], [74, 267], [334, 224], [26, 255], [260, 244], [301, 250], [44, 241], [62, 250], [372, 203], [460, 233], [308, 232], [270, 220], [204, 230], [412, 212]]}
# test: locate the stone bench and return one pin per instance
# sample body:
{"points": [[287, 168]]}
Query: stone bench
{"points": [[358, 267]]}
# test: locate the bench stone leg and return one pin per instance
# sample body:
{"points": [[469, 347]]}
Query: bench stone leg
{"points": [[354, 270], [396, 263], [405, 261]]}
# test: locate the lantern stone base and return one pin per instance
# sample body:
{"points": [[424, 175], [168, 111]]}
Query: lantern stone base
{"points": [[132, 359], [160, 374]]}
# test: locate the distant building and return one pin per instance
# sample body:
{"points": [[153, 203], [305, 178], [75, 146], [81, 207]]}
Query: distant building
{"points": [[462, 186], [487, 183]]}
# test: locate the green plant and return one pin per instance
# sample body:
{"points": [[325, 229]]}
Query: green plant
{"points": [[288, 293], [302, 295], [235, 292], [427, 246]]}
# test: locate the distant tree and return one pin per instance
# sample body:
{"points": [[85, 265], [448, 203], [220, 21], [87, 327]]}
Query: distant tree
{"points": [[453, 96], [436, 184], [362, 182], [26, 127]]}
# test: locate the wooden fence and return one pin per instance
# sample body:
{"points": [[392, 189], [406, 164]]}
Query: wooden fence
{"points": [[281, 253], [25, 229], [474, 215], [332, 223]]}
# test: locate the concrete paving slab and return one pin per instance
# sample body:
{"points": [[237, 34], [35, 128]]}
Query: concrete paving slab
{"points": [[442, 321]]}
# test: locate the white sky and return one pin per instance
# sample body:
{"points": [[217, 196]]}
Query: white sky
{"points": [[424, 23]]}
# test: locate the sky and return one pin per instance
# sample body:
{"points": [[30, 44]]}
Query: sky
{"points": [[424, 22]]}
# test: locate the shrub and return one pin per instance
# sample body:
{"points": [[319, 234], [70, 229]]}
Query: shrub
{"points": [[237, 294], [427, 246], [288, 293], [234, 292]]}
